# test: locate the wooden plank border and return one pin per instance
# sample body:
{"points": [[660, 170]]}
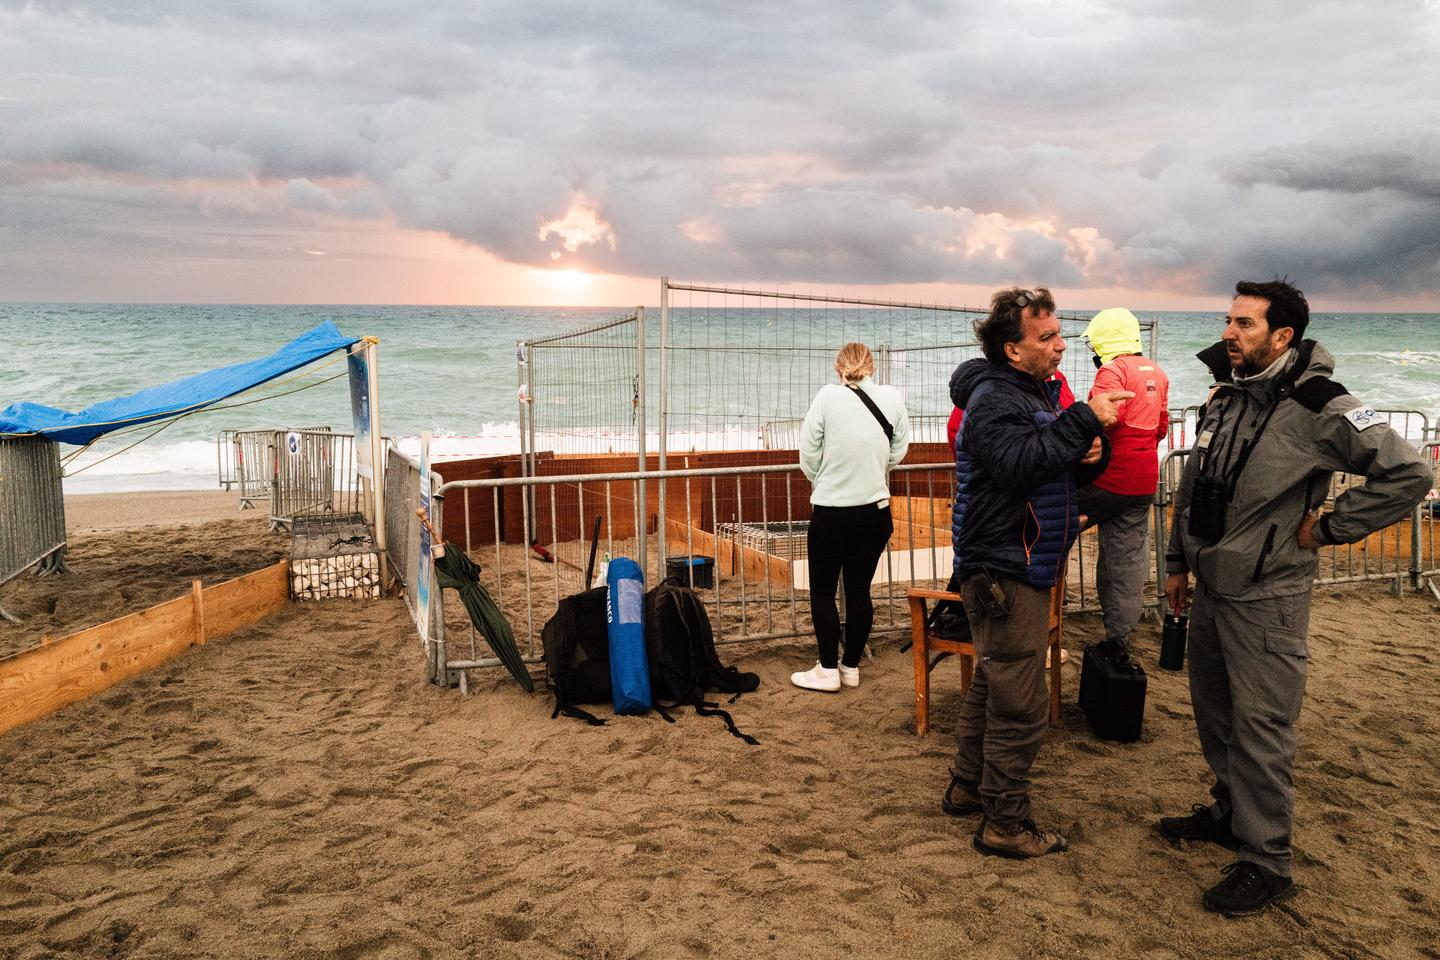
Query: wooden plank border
{"points": [[40, 681]]}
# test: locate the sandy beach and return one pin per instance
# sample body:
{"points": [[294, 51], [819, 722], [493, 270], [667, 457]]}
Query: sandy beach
{"points": [[296, 790]]}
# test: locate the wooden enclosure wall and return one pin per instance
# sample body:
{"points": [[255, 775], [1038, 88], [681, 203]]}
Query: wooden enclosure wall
{"points": [[41, 681]]}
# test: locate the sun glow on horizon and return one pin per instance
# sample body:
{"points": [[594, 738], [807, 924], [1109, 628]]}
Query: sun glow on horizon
{"points": [[567, 282]]}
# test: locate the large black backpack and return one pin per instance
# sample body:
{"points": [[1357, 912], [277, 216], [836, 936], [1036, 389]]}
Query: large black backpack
{"points": [[577, 654], [681, 649]]}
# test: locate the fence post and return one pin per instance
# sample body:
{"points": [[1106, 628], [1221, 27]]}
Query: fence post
{"points": [[197, 594], [522, 416], [642, 536], [663, 433]]}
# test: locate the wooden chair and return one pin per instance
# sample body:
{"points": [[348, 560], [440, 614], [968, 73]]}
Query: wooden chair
{"points": [[923, 646]]}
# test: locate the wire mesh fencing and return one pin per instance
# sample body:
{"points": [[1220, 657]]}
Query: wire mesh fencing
{"points": [[580, 392], [32, 509], [740, 367]]}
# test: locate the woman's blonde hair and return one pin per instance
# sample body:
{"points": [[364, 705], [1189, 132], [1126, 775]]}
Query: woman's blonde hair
{"points": [[854, 362]]}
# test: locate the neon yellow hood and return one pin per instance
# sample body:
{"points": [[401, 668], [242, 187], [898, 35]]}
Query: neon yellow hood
{"points": [[1113, 332]]}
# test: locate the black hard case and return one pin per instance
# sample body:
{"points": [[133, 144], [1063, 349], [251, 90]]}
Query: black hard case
{"points": [[1112, 695]]}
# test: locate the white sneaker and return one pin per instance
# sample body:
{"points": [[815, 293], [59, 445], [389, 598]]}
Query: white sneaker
{"points": [[817, 678], [849, 676]]}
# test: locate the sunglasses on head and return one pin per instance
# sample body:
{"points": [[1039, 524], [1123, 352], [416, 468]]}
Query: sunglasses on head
{"points": [[1025, 298]]}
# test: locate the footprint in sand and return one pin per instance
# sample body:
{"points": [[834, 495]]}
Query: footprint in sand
{"points": [[512, 929]]}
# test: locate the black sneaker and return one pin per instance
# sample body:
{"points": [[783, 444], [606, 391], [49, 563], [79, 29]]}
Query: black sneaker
{"points": [[961, 798], [1247, 889], [1199, 827]]}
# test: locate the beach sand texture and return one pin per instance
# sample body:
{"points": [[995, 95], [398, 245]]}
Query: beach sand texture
{"points": [[296, 790]]}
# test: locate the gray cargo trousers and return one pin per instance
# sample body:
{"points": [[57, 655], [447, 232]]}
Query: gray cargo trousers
{"points": [[1007, 708], [1248, 662], [1122, 564]]}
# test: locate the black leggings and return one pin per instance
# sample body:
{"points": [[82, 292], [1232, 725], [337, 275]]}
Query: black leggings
{"points": [[848, 541]]}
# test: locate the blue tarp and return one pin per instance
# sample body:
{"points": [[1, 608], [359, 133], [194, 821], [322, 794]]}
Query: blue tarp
{"points": [[171, 399]]}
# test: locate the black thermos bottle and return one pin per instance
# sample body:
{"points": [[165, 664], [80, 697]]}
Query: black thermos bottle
{"points": [[1172, 642]]}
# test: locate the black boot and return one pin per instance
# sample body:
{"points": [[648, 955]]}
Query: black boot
{"points": [[1247, 889]]}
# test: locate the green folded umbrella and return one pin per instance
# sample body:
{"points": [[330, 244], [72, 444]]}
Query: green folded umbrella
{"points": [[455, 569]]}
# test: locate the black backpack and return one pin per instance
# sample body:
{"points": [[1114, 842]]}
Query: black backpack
{"points": [[948, 622], [681, 649], [577, 654]]}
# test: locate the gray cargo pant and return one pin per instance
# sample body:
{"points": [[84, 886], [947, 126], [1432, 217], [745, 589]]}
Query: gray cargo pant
{"points": [[1247, 679], [1007, 708], [1122, 564]]}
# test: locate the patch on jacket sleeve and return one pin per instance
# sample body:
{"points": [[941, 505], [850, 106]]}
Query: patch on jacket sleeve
{"points": [[1362, 418]]}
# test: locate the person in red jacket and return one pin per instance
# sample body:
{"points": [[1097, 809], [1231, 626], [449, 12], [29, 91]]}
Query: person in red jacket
{"points": [[1119, 499]]}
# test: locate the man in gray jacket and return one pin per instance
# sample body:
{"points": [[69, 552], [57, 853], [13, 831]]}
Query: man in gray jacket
{"points": [[1246, 525]]}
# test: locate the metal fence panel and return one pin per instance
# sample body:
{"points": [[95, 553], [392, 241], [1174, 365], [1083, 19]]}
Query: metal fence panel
{"points": [[255, 454], [744, 365], [1425, 534], [729, 517], [227, 458], [747, 522], [314, 476], [1396, 553], [32, 509], [402, 535], [254, 466], [580, 391]]}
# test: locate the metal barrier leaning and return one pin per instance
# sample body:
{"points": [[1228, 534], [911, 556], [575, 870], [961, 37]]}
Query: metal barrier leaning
{"points": [[314, 476], [32, 510]]}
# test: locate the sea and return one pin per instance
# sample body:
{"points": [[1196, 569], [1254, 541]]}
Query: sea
{"points": [[452, 372]]}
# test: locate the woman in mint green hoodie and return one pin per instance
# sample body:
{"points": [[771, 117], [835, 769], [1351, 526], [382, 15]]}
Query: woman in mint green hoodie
{"points": [[854, 433]]}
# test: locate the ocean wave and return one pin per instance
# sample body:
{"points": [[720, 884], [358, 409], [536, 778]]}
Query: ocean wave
{"points": [[1403, 358]]}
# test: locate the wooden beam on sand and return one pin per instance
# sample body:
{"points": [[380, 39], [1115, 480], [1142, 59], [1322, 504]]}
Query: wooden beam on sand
{"points": [[40, 681]]}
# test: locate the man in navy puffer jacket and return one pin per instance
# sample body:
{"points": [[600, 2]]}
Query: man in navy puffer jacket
{"points": [[1019, 461]]}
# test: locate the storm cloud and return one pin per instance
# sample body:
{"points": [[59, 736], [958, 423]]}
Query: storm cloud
{"points": [[1150, 146]]}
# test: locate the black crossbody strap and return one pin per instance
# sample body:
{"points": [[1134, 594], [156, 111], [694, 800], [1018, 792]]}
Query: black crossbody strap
{"points": [[884, 424]]}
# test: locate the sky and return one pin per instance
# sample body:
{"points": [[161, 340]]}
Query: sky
{"points": [[535, 152]]}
